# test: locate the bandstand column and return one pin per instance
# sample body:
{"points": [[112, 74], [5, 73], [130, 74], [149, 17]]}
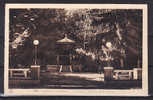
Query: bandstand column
{"points": [[57, 59], [70, 63]]}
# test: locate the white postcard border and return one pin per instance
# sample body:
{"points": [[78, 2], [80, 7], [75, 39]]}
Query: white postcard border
{"points": [[79, 92]]}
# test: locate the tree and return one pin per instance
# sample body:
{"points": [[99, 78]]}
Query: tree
{"points": [[92, 29]]}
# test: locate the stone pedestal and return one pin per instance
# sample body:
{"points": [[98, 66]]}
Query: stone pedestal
{"points": [[108, 73], [35, 72], [137, 73]]}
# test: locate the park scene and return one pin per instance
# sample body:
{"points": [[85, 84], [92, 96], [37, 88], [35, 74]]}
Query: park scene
{"points": [[75, 48]]}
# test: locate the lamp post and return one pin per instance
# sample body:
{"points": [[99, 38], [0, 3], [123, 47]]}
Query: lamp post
{"points": [[122, 58], [109, 45], [108, 71], [36, 43], [35, 69]]}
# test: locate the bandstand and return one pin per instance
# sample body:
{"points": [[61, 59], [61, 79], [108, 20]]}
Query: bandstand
{"points": [[65, 47]]}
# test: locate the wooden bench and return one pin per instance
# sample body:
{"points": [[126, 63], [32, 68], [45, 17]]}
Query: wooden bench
{"points": [[53, 68], [60, 68], [123, 74], [19, 72]]}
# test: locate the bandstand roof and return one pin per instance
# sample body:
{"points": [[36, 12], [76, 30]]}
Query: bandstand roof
{"points": [[65, 40]]}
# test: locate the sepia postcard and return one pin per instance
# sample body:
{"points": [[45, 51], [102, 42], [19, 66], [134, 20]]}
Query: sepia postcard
{"points": [[76, 50]]}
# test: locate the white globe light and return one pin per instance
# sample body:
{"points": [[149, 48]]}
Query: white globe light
{"points": [[14, 46], [109, 44], [35, 42]]}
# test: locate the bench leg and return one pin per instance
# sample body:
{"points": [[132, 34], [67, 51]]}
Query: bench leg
{"points": [[130, 75], [11, 74], [116, 76], [61, 67], [25, 74], [71, 68]]}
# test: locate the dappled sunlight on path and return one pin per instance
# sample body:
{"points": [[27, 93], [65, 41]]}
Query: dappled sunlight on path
{"points": [[87, 76]]}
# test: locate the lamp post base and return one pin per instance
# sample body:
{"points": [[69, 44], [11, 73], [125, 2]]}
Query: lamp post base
{"points": [[108, 73], [35, 72], [137, 73]]}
